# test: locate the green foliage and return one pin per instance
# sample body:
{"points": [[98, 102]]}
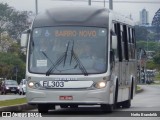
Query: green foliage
{"points": [[150, 46], [5, 12], [18, 23], [150, 65], [156, 58], [13, 102], [12, 21], [8, 61], [141, 33], [157, 77], [6, 43]]}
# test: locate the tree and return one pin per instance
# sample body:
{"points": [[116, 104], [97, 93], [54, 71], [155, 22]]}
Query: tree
{"points": [[156, 58], [150, 65], [18, 23], [12, 22], [8, 62], [6, 43], [150, 46], [5, 13], [141, 33]]}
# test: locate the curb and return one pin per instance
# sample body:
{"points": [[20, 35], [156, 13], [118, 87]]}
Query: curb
{"points": [[17, 108]]}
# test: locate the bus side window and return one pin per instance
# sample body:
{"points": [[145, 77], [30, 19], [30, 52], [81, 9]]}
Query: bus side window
{"points": [[129, 43], [114, 32], [125, 42], [122, 42], [133, 43], [119, 42]]}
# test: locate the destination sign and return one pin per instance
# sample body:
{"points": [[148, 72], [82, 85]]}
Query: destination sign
{"points": [[69, 32], [75, 33]]}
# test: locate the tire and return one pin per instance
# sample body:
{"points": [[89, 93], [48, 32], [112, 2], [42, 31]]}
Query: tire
{"points": [[107, 108], [64, 106], [43, 108], [73, 106], [126, 104], [19, 92], [116, 105], [23, 93], [132, 89]]}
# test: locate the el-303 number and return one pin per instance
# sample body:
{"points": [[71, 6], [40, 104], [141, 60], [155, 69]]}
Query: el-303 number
{"points": [[53, 84]]}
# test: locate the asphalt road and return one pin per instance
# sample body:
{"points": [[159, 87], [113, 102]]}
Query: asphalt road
{"points": [[147, 101]]}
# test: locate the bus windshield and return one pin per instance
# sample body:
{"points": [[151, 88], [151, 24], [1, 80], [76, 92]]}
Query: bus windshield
{"points": [[68, 50]]}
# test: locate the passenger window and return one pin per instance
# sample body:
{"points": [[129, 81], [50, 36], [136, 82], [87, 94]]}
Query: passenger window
{"points": [[125, 42], [114, 31]]}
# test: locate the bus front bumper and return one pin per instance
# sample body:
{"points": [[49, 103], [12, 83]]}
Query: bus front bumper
{"points": [[81, 97]]}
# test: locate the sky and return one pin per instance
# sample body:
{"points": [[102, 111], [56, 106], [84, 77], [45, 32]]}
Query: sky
{"points": [[123, 8]]}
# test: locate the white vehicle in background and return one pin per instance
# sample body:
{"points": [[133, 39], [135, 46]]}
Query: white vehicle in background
{"points": [[22, 87]]}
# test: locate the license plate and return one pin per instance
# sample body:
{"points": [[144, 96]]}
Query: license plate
{"points": [[65, 98], [66, 84], [13, 90], [53, 84]]}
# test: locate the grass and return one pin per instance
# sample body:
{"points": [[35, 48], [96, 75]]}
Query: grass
{"points": [[157, 77], [138, 87], [13, 102], [156, 83]]}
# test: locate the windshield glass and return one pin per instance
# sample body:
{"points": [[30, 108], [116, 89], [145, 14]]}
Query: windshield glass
{"points": [[68, 50], [11, 82]]}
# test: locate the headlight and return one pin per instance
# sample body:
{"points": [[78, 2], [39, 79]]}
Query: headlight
{"points": [[100, 84], [31, 84], [7, 87], [18, 87]]}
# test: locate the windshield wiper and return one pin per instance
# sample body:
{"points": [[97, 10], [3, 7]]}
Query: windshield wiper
{"points": [[64, 57], [53, 67], [60, 59], [82, 68], [73, 55], [49, 59]]}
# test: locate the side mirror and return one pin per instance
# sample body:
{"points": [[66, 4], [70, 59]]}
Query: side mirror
{"points": [[114, 42], [24, 38]]}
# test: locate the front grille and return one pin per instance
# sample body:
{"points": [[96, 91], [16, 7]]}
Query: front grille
{"points": [[12, 87]]}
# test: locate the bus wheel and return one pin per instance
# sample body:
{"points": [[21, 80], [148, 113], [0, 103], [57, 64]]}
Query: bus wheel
{"points": [[43, 108], [73, 106], [64, 106], [107, 108], [126, 104]]}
